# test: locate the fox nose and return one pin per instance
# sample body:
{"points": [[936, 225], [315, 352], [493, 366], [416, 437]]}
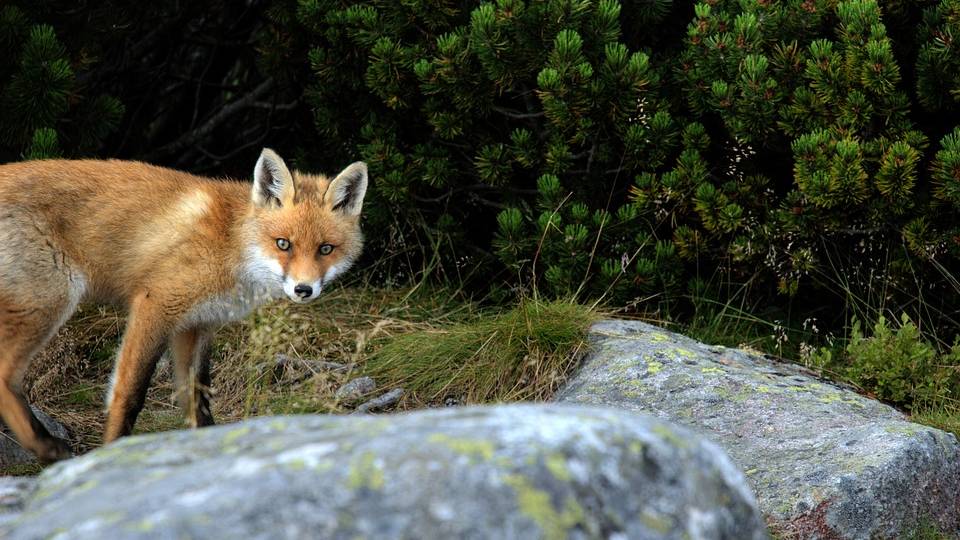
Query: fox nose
{"points": [[303, 291]]}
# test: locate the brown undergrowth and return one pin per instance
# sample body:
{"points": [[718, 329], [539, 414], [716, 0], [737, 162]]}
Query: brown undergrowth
{"points": [[537, 344]]}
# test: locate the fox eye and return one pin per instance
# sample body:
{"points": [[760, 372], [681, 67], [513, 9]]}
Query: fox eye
{"points": [[325, 249], [283, 244]]}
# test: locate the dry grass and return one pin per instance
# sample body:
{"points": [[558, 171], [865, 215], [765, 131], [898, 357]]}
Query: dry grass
{"points": [[348, 326]]}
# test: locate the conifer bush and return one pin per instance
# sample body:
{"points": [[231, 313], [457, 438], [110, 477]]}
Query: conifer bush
{"points": [[803, 153], [524, 120], [603, 149], [43, 110]]}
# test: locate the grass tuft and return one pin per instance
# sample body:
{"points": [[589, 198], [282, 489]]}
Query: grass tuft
{"points": [[945, 417], [520, 354]]}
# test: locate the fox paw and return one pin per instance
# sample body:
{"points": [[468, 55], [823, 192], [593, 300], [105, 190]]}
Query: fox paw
{"points": [[52, 450]]}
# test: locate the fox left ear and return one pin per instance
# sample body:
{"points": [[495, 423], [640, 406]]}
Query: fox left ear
{"points": [[272, 181], [346, 191]]}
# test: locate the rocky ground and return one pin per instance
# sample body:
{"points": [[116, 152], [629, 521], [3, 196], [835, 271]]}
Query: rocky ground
{"points": [[824, 461], [512, 471], [656, 436]]}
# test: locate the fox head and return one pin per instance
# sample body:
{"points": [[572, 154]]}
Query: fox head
{"points": [[303, 230]]}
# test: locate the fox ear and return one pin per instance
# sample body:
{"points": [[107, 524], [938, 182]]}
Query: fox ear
{"points": [[345, 192], [272, 181]]}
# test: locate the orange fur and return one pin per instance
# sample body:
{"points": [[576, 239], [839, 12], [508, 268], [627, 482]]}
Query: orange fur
{"points": [[183, 253]]}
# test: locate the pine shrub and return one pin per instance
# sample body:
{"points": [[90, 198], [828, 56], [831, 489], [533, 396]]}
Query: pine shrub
{"points": [[598, 149], [43, 108], [802, 154]]}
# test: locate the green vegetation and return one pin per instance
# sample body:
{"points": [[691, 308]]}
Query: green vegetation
{"points": [[521, 354], [434, 343], [945, 417], [896, 364], [791, 155]]}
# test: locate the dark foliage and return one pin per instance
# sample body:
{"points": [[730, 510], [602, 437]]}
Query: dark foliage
{"points": [[801, 154]]}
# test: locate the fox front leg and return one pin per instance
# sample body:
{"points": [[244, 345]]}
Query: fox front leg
{"points": [[143, 341]]}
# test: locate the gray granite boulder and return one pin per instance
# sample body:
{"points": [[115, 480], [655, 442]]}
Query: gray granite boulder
{"points": [[11, 453], [824, 461], [520, 471], [14, 491]]}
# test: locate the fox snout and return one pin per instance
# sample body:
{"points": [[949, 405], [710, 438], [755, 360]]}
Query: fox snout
{"points": [[302, 292]]}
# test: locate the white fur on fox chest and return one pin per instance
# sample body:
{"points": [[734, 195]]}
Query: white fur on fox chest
{"points": [[260, 282], [228, 307]]}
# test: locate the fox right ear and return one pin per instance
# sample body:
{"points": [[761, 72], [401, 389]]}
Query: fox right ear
{"points": [[272, 182]]}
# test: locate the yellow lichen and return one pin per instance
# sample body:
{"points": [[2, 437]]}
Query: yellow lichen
{"points": [[557, 465], [475, 448], [658, 337], [232, 436], [655, 522], [535, 504], [668, 435], [365, 473]]}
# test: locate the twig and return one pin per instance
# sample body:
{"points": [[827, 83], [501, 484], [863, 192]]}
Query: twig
{"points": [[191, 138], [516, 114], [283, 361]]}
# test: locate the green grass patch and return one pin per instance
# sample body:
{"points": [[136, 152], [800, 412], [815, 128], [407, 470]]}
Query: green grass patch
{"points": [[946, 418], [520, 354], [84, 395], [153, 420], [22, 469]]}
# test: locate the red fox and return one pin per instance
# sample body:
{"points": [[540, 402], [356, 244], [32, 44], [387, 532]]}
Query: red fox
{"points": [[183, 254]]}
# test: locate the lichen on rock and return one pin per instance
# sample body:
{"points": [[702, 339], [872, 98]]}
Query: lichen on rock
{"points": [[815, 452], [517, 471]]}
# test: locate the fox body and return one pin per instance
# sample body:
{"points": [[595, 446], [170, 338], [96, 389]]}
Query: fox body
{"points": [[183, 254]]}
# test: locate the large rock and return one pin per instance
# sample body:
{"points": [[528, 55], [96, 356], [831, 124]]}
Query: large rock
{"points": [[824, 461], [549, 471], [11, 453], [13, 493]]}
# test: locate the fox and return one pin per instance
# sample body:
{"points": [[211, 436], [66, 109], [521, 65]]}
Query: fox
{"points": [[182, 254]]}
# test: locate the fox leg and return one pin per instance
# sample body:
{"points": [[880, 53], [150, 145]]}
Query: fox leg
{"points": [[191, 373], [39, 291], [23, 332], [147, 329]]}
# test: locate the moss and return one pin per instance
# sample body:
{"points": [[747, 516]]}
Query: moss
{"points": [[278, 424], [298, 464], [21, 469], [474, 448], [365, 473], [157, 474], [86, 486], [905, 428], [657, 523], [142, 526], [232, 436], [658, 337], [536, 505], [557, 465], [668, 435], [837, 397]]}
